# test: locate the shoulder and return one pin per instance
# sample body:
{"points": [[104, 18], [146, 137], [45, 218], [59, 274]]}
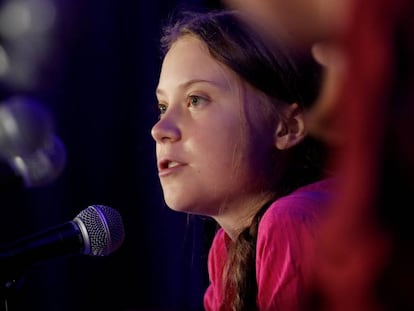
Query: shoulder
{"points": [[306, 204], [294, 219], [286, 244]]}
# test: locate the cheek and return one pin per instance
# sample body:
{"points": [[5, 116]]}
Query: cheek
{"points": [[216, 146], [219, 145]]}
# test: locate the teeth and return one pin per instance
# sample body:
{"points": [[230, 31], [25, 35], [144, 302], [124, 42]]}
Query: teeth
{"points": [[172, 164]]}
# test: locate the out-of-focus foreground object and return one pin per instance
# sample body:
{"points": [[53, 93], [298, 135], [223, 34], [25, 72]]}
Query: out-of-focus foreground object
{"points": [[366, 109]]}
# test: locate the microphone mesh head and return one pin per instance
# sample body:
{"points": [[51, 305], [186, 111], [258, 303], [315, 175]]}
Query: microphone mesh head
{"points": [[104, 229]]}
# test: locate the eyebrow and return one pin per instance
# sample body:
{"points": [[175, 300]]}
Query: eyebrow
{"points": [[191, 82]]}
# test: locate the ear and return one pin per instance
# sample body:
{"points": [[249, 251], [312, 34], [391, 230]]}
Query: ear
{"points": [[292, 131]]}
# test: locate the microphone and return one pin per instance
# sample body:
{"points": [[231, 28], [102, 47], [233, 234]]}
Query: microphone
{"points": [[96, 231], [27, 143]]}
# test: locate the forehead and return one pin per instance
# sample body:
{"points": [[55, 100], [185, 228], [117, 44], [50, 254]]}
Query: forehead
{"points": [[189, 59], [188, 49]]}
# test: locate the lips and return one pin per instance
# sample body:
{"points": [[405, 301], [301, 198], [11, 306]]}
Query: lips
{"points": [[167, 166]]}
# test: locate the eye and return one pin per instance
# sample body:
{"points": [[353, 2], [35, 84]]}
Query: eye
{"points": [[162, 108], [195, 100]]}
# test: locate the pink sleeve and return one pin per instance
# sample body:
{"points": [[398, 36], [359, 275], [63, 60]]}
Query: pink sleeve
{"points": [[284, 254]]}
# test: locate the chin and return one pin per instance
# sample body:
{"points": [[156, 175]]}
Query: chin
{"points": [[177, 206], [181, 209], [184, 208]]}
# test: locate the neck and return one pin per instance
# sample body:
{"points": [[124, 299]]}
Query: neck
{"points": [[234, 217]]}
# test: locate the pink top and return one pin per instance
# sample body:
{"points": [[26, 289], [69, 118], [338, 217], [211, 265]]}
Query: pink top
{"points": [[284, 252]]}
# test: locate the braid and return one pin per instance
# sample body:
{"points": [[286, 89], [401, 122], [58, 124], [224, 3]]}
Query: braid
{"points": [[241, 283]]}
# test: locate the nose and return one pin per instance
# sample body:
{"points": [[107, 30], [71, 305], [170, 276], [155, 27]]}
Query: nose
{"points": [[166, 129]]}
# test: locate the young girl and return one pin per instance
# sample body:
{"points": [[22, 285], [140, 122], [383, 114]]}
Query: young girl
{"points": [[232, 144]]}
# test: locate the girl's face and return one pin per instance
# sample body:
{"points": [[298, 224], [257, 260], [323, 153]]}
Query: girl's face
{"points": [[213, 146]]}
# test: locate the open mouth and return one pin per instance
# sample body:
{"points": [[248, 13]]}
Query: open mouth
{"points": [[168, 164]]}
